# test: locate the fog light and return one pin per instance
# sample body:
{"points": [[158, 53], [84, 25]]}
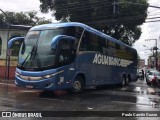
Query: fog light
{"points": [[49, 85]]}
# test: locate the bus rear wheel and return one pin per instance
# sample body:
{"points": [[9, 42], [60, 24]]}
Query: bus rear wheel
{"points": [[78, 85], [127, 81], [123, 81]]}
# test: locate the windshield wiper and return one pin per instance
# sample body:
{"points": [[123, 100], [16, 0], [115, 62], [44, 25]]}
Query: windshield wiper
{"points": [[33, 49], [33, 55]]}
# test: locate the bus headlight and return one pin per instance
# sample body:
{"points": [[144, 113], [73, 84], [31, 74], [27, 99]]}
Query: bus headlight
{"points": [[52, 75], [30, 78], [17, 74], [47, 76]]}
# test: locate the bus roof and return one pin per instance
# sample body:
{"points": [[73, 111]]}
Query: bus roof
{"points": [[76, 24]]}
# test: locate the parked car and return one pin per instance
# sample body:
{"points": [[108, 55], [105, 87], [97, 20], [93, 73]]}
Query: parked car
{"points": [[147, 71], [153, 77]]}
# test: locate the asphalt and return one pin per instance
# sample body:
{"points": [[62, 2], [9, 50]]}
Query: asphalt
{"points": [[135, 97]]}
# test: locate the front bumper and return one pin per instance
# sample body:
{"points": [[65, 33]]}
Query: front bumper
{"points": [[45, 84]]}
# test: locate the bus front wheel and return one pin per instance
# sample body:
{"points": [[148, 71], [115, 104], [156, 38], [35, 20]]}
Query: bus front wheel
{"points": [[78, 85]]}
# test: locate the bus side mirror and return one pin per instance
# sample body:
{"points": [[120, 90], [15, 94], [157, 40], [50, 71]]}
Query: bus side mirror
{"points": [[11, 41], [57, 38]]}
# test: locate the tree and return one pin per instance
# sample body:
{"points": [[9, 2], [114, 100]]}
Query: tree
{"points": [[23, 18], [119, 18]]}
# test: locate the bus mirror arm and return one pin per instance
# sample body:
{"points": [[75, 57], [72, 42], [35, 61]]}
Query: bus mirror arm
{"points": [[57, 38], [11, 41]]}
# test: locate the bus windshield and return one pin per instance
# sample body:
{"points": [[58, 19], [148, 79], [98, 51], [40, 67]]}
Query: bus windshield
{"points": [[36, 50]]}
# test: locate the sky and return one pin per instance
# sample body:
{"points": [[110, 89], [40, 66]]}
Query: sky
{"points": [[24, 6], [149, 30]]}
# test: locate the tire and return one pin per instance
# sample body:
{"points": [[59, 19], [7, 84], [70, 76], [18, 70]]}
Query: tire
{"points": [[148, 82], [123, 81], [78, 85], [127, 81]]}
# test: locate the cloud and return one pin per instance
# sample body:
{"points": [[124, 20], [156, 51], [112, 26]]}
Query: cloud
{"points": [[24, 5], [19, 5]]}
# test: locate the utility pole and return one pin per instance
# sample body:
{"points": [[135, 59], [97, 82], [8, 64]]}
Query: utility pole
{"points": [[116, 8], [154, 48]]}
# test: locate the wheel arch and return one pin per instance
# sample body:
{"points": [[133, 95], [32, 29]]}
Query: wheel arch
{"points": [[129, 77], [123, 75], [81, 74]]}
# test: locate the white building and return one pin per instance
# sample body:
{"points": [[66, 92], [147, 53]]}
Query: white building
{"points": [[14, 31]]}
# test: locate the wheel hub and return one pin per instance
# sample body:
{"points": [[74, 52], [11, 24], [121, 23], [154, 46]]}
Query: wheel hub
{"points": [[77, 85]]}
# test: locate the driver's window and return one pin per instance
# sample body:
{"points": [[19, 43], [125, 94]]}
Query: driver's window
{"points": [[64, 52]]}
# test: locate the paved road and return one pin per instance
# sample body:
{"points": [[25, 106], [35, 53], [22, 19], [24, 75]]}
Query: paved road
{"points": [[135, 97]]}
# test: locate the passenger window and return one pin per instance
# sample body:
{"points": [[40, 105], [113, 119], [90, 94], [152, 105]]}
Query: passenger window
{"points": [[117, 46], [111, 48], [90, 42], [85, 43], [103, 43]]}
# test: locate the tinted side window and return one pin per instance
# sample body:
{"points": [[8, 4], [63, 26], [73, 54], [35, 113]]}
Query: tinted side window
{"points": [[90, 42], [117, 46], [95, 43], [104, 45], [85, 42], [111, 48]]}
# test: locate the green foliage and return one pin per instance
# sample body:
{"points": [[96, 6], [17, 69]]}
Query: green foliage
{"points": [[23, 18], [120, 20]]}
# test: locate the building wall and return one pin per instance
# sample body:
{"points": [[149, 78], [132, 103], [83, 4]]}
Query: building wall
{"points": [[13, 62], [3, 35], [141, 63]]}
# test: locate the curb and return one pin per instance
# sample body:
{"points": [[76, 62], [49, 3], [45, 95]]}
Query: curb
{"points": [[7, 81]]}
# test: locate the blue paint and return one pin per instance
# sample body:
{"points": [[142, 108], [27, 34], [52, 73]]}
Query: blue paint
{"points": [[63, 77]]}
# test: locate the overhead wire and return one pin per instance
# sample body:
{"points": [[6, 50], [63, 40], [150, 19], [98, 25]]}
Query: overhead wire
{"points": [[109, 15], [83, 4], [124, 20], [152, 21], [86, 6], [154, 15], [93, 17], [153, 18], [80, 8], [150, 12]]}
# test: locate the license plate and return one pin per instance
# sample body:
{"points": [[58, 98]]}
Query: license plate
{"points": [[29, 86]]}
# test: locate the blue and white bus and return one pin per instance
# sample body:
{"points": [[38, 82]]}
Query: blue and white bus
{"points": [[72, 56]]}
